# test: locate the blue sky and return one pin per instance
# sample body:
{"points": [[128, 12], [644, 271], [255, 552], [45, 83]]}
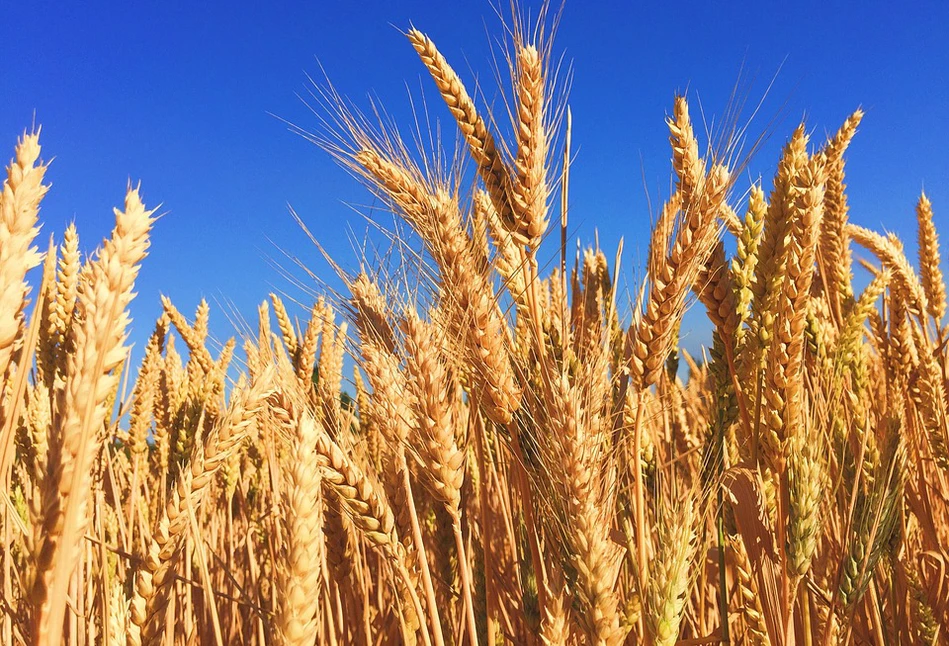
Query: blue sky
{"points": [[181, 95]]}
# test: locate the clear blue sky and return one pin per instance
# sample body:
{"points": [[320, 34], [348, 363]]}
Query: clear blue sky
{"points": [[179, 95]]}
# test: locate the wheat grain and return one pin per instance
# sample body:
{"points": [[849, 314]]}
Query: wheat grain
{"points": [[23, 190]]}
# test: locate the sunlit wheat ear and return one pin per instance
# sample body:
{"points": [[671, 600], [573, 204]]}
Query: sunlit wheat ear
{"points": [[76, 433], [669, 287], [472, 313], [770, 267], [117, 632], [850, 356], [38, 414], [576, 461], [745, 261], [491, 167], [305, 358], [298, 575], [803, 205], [529, 190], [441, 441], [371, 312], [555, 624], [930, 271], [202, 318], [23, 190], [390, 404], [55, 341], [401, 186], [284, 323], [146, 408], [686, 162], [433, 391], [834, 247], [166, 403], [892, 256], [673, 271], [852, 330], [330, 371], [145, 391], [191, 336]]}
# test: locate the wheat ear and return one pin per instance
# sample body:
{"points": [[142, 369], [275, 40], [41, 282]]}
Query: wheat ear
{"points": [[576, 462], [480, 142], [298, 573], [891, 254], [530, 190], [433, 389], [783, 394], [284, 323], [930, 273], [834, 246], [55, 343], [19, 208], [673, 273]]}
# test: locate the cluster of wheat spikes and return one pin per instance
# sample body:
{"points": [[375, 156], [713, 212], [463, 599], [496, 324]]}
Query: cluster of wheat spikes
{"points": [[517, 465]]}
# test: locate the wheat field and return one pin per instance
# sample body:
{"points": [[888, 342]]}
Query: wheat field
{"points": [[520, 455]]}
